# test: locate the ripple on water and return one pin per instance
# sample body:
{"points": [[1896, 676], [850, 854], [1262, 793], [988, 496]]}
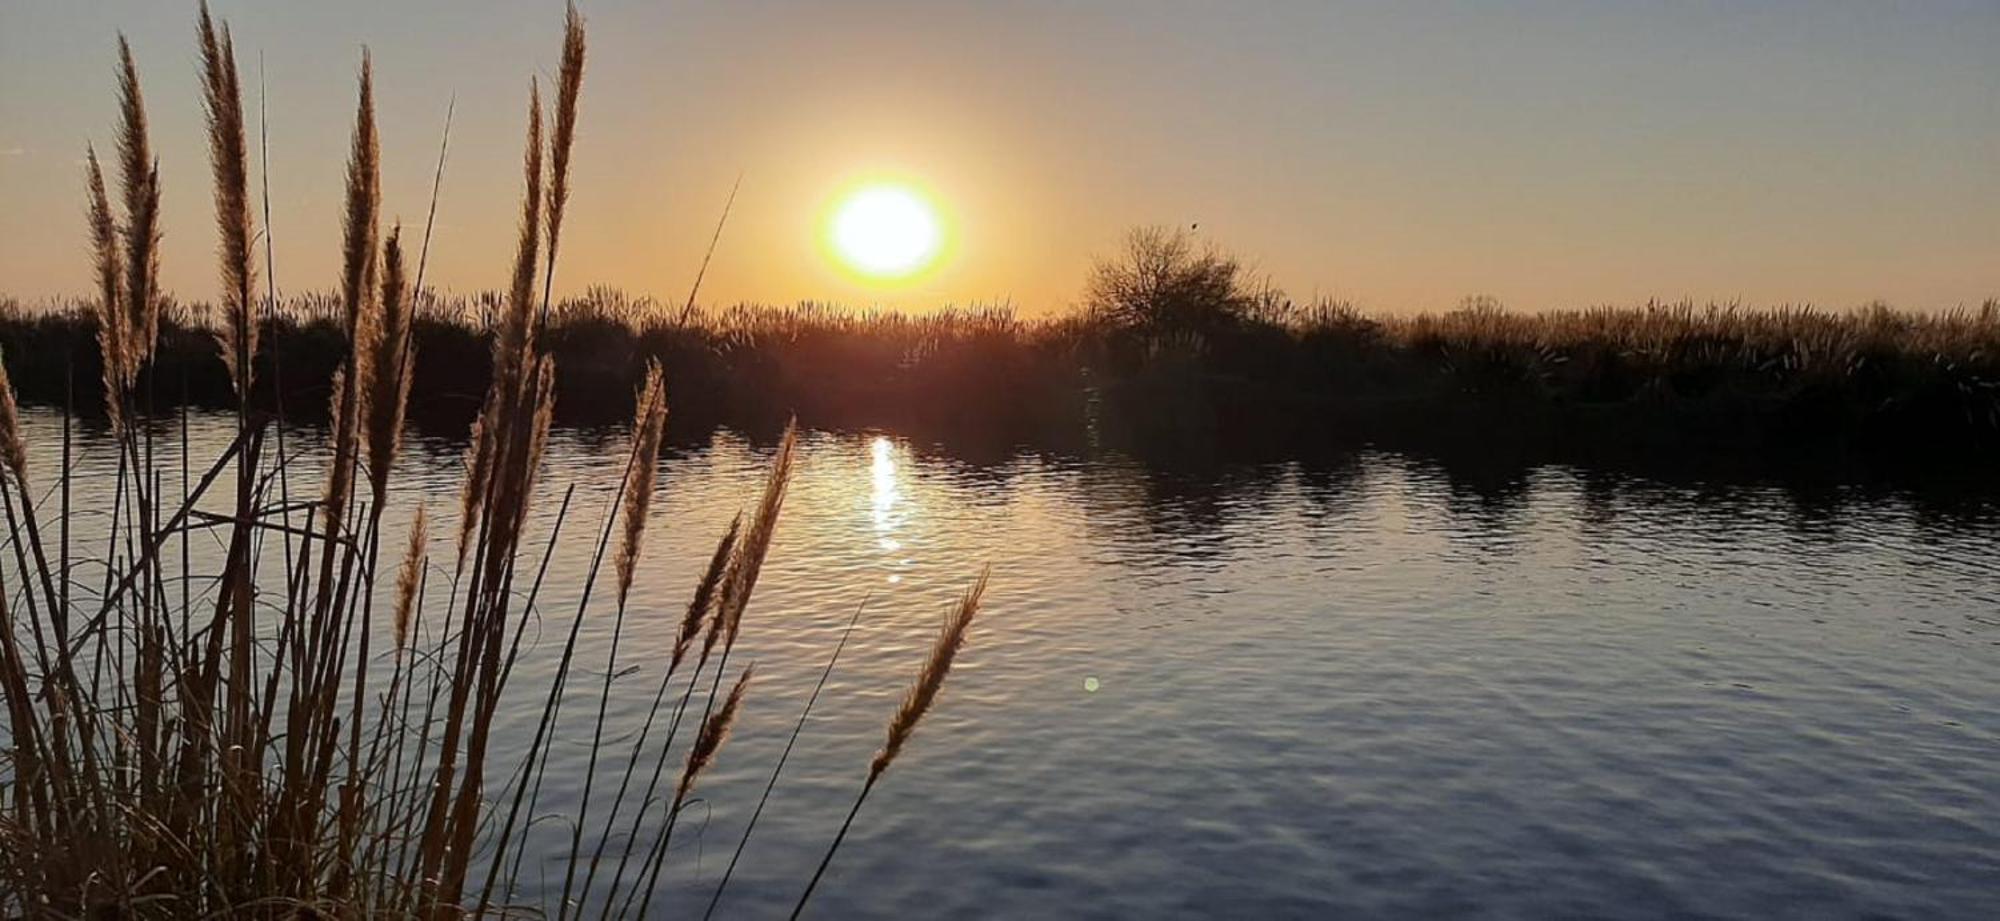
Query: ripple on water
{"points": [[1374, 687]]}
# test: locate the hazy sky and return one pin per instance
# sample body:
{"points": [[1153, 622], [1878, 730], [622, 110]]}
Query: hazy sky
{"points": [[1402, 155]]}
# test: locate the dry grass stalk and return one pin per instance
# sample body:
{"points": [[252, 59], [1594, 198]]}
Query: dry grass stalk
{"points": [[409, 576], [739, 578], [636, 495], [126, 259], [701, 608], [222, 100], [714, 732], [140, 176], [770, 785], [916, 702], [13, 449], [568, 89], [386, 378], [517, 329], [513, 345], [340, 473], [649, 421], [748, 562], [110, 310], [923, 693], [359, 219]]}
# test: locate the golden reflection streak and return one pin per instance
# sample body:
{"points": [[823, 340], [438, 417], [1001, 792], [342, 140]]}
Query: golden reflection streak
{"points": [[884, 496]]}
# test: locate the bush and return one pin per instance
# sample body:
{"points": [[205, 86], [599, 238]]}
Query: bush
{"points": [[1162, 281]]}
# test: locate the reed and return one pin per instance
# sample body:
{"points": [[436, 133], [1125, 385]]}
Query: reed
{"points": [[731, 595], [649, 422], [636, 493], [713, 733], [13, 448], [1722, 380], [409, 578], [569, 89], [513, 345], [140, 184], [222, 100], [233, 749], [699, 609], [385, 373], [805, 713], [917, 701], [108, 312], [707, 743]]}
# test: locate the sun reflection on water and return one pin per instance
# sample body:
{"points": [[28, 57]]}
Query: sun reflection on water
{"points": [[885, 497]]}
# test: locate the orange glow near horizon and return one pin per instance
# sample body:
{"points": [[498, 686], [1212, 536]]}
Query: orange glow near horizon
{"points": [[1399, 156]]}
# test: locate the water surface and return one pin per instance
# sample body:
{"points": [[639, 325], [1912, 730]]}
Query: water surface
{"points": [[1367, 686]]}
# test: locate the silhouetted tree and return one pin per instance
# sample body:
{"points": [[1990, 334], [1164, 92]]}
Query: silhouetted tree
{"points": [[1162, 280]]}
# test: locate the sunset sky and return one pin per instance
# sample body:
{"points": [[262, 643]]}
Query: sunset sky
{"points": [[1401, 155]]}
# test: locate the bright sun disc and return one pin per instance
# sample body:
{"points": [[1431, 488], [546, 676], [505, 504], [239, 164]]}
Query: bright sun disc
{"points": [[886, 231]]}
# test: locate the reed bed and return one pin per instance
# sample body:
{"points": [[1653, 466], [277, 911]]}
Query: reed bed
{"points": [[1724, 377], [1719, 377], [230, 737]]}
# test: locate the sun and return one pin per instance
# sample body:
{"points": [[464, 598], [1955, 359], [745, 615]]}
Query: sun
{"points": [[885, 231]]}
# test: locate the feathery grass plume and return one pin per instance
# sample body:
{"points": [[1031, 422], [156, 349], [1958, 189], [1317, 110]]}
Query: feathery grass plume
{"points": [[718, 616], [222, 99], [739, 577], [749, 561], [520, 464], [358, 220], [409, 576], [354, 407], [140, 177], [513, 344], [478, 464], [704, 593], [713, 733], [13, 450], [917, 702], [110, 310], [649, 419], [518, 327], [340, 473], [385, 374], [569, 85]]}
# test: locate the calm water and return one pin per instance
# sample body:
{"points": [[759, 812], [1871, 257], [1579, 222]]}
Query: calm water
{"points": [[1364, 688]]}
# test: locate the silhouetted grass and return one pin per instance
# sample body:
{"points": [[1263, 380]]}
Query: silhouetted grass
{"points": [[1727, 377], [222, 741]]}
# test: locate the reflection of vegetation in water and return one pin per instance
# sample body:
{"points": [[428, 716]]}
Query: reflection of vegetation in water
{"points": [[183, 743]]}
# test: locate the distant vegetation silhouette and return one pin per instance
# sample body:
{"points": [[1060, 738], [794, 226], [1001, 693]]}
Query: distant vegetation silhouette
{"points": [[1173, 342]]}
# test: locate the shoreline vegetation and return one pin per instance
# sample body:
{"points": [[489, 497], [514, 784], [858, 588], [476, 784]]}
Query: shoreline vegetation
{"points": [[1227, 364], [306, 719]]}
